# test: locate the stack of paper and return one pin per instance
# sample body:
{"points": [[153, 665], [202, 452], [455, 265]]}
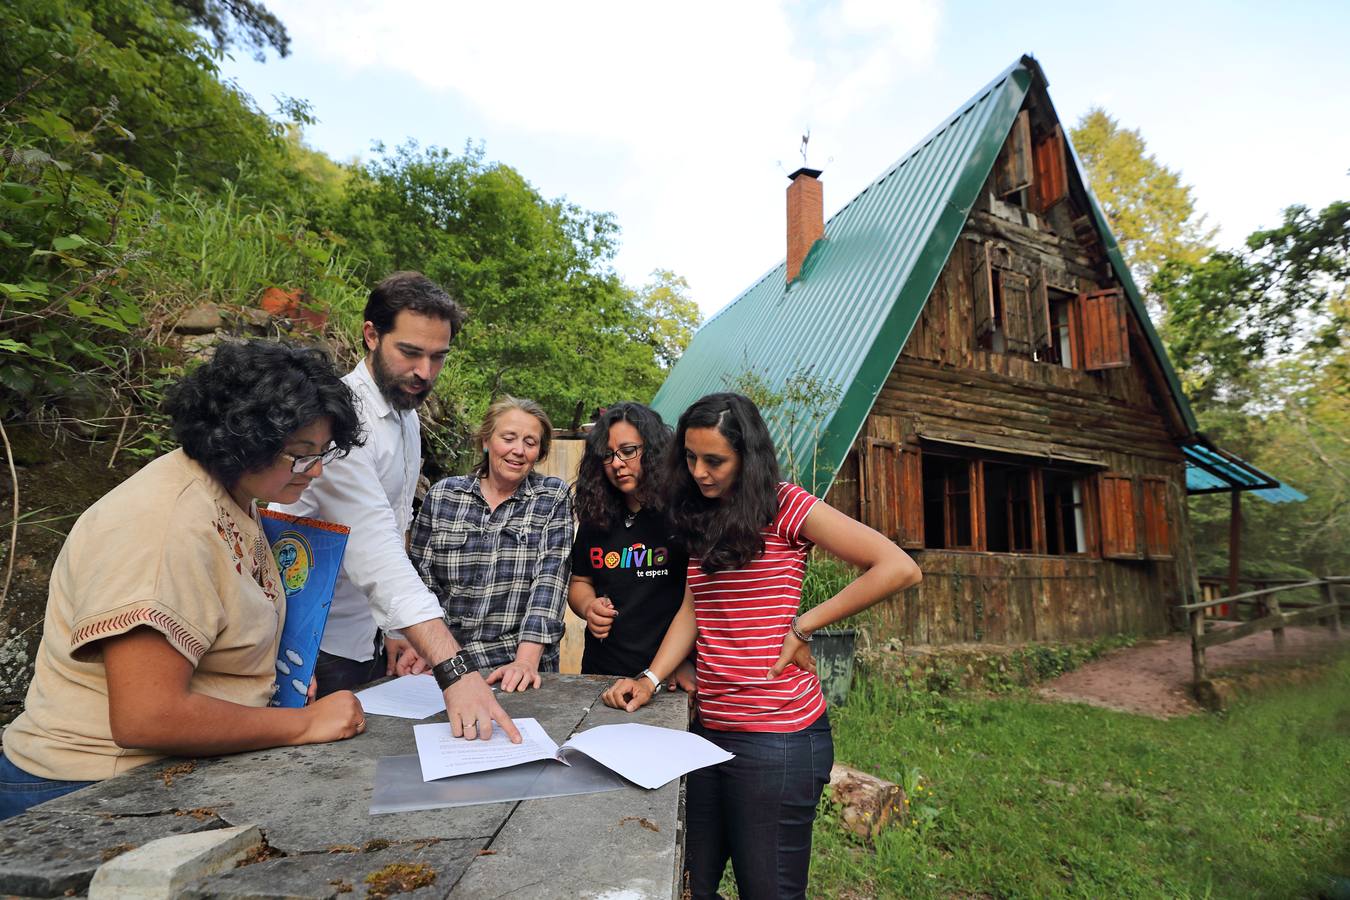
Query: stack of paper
{"points": [[409, 697], [644, 754]]}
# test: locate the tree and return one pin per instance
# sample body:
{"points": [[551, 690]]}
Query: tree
{"points": [[1282, 293], [244, 21], [666, 316], [548, 317], [1301, 438], [1150, 209], [139, 85]]}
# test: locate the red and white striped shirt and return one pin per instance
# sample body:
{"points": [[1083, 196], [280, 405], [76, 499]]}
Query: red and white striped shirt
{"points": [[743, 616]]}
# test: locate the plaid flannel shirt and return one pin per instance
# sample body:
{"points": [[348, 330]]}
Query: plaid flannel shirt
{"points": [[501, 575]]}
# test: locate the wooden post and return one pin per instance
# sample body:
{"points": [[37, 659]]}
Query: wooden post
{"points": [[1197, 651], [1234, 542], [1329, 592], [1273, 607]]}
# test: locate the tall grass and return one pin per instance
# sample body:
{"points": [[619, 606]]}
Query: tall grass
{"points": [[227, 249]]}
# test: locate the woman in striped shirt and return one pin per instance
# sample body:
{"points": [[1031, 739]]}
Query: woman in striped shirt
{"points": [[748, 536]]}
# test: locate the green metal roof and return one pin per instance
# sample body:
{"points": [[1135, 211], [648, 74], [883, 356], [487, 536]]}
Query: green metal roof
{"points": [[862, 288]]}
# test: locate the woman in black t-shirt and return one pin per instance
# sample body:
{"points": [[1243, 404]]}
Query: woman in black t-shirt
{"points": [[627, 575]]}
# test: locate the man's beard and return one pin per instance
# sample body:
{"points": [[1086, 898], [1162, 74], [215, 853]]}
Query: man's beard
{"points": [[391, 386]]}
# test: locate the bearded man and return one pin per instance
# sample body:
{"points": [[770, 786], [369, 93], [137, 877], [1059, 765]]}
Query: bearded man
{"points": [[381, 605]]}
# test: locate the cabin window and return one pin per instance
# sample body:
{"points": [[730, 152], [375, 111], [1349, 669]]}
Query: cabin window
{"points": [[1051, 179], [997, 503], [1063, 501], [947, 502], [1061, 349], [1013, 169], [1007, 508]]}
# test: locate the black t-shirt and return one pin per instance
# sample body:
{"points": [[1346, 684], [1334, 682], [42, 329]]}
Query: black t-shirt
{"points": [[642, 572]]}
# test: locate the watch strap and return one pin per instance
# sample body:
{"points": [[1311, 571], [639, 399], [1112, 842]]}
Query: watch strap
{"points": [[452, 670], [656, 682]]}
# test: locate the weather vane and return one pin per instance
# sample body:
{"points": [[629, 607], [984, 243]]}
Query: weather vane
{"points": [[806, 139]]}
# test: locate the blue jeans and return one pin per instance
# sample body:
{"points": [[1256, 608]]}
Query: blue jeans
{"points": [[19, 790], [756, 809]]}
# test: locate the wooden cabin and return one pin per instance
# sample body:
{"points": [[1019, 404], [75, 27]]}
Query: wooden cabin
{"points": [[1005, 409]]}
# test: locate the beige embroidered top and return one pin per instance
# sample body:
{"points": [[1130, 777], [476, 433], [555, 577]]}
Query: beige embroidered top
{"points": [[168, 549]]}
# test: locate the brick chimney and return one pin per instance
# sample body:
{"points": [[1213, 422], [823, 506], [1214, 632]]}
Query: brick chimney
{"points": [[805, 217]]}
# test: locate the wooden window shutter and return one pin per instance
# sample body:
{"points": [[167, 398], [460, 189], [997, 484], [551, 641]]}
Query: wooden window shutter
{"points": [[1051, 178], [880, 488], [911, 496], [1120, 535], [1157, 529], [1016, 292], [1014, 162], [1106, 337], [1041, 325], [982, 288]]}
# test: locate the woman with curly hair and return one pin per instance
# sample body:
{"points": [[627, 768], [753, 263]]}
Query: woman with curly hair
{"points": [[627, 574], [748, 535], [165, 605]]}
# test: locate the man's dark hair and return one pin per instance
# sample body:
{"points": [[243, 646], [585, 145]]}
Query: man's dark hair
{"points": [[724, 533], [414, 292], [600, 503], [233, 414]]}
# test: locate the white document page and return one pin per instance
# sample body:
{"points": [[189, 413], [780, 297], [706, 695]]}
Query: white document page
{"points": [[409, 697], [645, 754], [442, 754]]}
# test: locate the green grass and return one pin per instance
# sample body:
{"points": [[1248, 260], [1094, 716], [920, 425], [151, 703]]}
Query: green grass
{"points": [[1021, 798]]}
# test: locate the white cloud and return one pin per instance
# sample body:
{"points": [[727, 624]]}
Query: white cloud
{"points": [[724, 88]]}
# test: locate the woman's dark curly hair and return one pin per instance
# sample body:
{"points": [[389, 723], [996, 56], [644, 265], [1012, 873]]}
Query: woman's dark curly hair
{"points": [[234, 413], [600, 503], [724, 533]]}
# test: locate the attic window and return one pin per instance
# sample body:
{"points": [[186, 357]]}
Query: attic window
{"points": [[1013, 170], [1063, 338], [1022, 313]]}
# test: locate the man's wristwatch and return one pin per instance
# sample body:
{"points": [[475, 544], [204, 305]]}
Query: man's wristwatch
{"points": [[452, 670], [657, 683]]}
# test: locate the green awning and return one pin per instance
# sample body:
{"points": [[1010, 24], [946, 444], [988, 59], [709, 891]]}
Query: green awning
{"points": [[1210, 470]]}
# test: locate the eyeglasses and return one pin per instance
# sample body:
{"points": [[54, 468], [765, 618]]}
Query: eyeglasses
{"points": [[626, 453], [302, 464]]}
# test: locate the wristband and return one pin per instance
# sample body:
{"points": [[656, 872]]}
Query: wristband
{"points": [[797, 632], [452, 670], [656, 682]]}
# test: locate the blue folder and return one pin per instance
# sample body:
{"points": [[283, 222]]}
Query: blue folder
{"points": [[309, 557]]}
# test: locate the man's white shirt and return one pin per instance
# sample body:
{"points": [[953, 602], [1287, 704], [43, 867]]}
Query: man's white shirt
{"points": [[371, 491]]}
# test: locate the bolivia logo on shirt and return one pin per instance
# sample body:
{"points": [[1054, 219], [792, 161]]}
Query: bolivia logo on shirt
{"points": [[637, 556]]}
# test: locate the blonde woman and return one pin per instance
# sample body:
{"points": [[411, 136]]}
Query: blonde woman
{"points": [[494, 544]]}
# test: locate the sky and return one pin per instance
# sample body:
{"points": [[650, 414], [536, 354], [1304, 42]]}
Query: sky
{"points": [[684, 119]]}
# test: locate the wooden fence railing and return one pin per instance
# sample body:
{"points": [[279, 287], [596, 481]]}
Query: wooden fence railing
{"points": [[1271, 617]]}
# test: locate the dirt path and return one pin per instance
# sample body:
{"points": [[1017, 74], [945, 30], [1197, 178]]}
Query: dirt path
{"points": [[1153, 677]]}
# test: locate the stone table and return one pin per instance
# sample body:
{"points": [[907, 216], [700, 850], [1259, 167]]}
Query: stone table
{"points": [[312, 803]]}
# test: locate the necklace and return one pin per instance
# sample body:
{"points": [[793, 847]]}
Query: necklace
{"points": [[629, 518]]}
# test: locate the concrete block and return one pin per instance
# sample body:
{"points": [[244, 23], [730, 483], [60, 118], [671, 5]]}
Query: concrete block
{"points": [[162, 868], [46, 852]]}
